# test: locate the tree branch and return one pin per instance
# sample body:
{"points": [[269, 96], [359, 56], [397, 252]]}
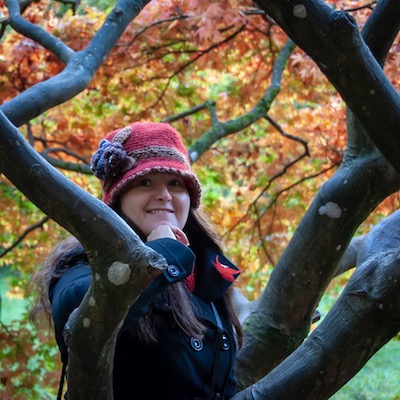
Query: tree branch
{"points": [[210, 105], [37, 34], [356, 75], [68, 166], [379, 32], [285, 308], [223, 129], [23, 236], [81, 66], [96, 226], [335, 352], [382, 28]]}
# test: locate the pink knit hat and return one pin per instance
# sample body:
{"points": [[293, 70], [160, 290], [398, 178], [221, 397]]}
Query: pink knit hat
{"points": [[138, 149]]}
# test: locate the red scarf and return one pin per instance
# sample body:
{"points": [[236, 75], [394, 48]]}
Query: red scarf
{"points": [[190, 281]]}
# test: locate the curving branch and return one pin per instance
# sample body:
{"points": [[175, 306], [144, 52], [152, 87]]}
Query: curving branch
{"points": [[37, 34], [278, 325], [324, 363], [207, 105], [96, 226], [348, 64], [81, 66], [24, 234], [68, 166], [382, 28], [379, 32], [223, 129]]}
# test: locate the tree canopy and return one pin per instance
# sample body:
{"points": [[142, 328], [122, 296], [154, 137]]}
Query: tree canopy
{"points": [[290, 115]]}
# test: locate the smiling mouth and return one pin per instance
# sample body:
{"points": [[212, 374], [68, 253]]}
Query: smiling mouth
{"points": [[159, 211]]}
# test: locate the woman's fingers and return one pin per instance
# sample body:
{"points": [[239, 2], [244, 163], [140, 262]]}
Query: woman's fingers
{"points": [[165, 231], [162, 231], [180, 235]]}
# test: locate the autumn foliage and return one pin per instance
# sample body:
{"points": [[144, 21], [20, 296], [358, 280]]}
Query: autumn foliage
{"points": [[176, 56]]}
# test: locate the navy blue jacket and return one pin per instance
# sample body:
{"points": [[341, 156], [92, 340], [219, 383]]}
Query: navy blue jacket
{"points": [[177, 367]]}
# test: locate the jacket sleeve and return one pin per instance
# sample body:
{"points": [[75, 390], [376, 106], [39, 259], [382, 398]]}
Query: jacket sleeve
{"points": [[67, 293], [180, 261], [175, 253]]}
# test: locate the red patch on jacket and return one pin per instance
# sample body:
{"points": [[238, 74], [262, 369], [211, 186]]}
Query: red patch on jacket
{"points": [[225, 271]]}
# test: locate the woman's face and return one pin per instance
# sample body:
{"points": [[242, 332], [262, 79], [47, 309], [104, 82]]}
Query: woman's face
{"points": [[156, 199]]}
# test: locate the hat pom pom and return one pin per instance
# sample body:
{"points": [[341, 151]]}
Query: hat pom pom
{"points": [[98, 165], [117, 160], [110, 160]]}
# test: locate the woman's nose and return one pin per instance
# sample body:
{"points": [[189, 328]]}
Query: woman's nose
{"points": [[163, 193]]}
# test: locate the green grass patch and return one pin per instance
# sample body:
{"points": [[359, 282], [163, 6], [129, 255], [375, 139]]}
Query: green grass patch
{"points": [[379, 378], [12, 304]]}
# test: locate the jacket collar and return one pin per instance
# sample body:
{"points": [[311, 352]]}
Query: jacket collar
{"points": [[210, 285]]}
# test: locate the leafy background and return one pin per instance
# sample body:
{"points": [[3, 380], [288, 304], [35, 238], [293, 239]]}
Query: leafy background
{"points": [[175, 56]]}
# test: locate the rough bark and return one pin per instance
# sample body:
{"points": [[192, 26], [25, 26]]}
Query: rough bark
{"points": [[351, 332], [121, 270], [276, 324]]}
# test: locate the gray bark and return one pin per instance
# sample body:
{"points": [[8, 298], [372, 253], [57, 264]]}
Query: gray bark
{"points": [[95, 324], [279, 321], [351, 332]]}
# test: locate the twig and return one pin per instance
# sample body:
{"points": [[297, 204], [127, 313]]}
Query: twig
{"points": [[23, 236]]}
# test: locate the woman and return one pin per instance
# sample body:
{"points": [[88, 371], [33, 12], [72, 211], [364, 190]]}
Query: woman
{"points": [[182, 344]]}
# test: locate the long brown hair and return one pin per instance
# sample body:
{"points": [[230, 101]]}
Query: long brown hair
{"points": [[61, 258], [200, 233]]}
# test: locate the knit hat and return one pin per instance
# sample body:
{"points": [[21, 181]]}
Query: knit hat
{"points": [[138, 149]]}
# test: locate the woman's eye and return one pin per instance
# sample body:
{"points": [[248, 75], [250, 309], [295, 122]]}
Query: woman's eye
{"points": [[144, 182], [176, 182]]}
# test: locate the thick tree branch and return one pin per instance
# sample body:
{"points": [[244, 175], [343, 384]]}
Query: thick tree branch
{"points": [[348, 64], [382, 28], [284, 310], [335, 352], [379, 32], [96, 226], [82, 67], [338, 208], [37, 34]]}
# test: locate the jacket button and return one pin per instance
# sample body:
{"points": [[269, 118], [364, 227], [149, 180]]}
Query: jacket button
{"points": [[173, 270], [197, 344], [225, 342]]}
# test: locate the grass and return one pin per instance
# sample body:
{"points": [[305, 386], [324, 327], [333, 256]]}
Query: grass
{"points": [[12, 303], [379, 378]]}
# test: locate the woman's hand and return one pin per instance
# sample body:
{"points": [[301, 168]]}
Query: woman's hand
{"points": [[165, 231]]}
